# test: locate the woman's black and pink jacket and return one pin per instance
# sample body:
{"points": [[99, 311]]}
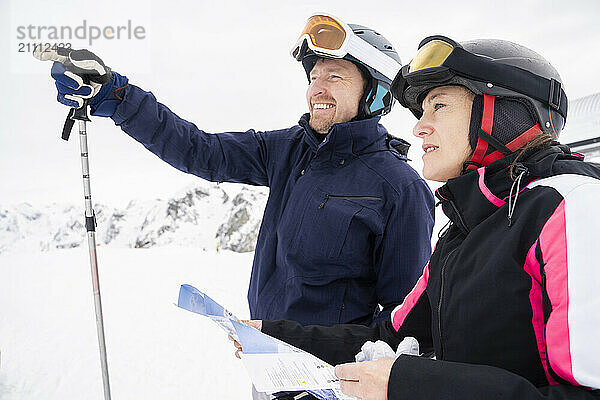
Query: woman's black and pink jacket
{"points": [[509, 307]]}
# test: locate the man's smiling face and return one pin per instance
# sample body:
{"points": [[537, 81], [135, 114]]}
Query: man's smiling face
{"points": [[336, 87]]}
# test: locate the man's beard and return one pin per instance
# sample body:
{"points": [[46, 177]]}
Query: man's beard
{"points": [[321, 125]]}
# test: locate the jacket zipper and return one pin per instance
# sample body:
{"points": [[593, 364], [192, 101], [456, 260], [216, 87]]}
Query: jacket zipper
{"points": [[440, 301], [460, 219], [333, 196], [461, 222]]}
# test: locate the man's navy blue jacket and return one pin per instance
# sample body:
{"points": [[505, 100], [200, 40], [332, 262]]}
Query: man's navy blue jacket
{"points": [[347, 224]]}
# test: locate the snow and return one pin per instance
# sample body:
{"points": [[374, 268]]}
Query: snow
{"points": [[48, 342]]}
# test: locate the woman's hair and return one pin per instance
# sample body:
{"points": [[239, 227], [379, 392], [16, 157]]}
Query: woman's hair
{"points": [[540, 141]]}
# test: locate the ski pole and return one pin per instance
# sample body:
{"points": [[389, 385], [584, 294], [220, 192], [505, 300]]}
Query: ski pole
{"points": [[81, 115]]}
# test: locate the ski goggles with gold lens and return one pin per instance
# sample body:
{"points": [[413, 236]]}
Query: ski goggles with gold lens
{"points": [[330, 37], [432, 54], [439, 59]]}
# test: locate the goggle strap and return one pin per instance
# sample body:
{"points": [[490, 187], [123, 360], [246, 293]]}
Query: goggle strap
{"points": [[548, 91], [368, 54]]}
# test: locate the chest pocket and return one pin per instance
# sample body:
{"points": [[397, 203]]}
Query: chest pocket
{"points": [[325, 225]]}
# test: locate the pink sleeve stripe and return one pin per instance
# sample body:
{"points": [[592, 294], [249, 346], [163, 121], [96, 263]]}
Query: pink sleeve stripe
{"points": [[553, 242], [486, 191], [532, 267], [399, 314]]}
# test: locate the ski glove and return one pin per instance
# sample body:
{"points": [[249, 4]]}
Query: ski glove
{"points": [[81, 75]]}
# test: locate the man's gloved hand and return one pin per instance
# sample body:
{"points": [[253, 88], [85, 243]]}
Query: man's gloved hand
{"points": [[81, 75]]}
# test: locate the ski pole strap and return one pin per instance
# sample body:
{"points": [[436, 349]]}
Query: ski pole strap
{"points": [[68, 126]]}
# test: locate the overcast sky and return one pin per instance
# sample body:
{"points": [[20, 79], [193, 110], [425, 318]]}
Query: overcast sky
{"points": [[226, 66]]}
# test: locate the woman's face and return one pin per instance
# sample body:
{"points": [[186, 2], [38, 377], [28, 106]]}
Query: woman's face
{"points": [[444, 128]]}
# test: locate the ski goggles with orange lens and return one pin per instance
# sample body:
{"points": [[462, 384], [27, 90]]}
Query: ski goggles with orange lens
{"points": [[440, 59], [330, 37]]}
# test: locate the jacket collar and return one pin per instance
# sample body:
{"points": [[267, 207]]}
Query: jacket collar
{"points": [[470, 198], [347, 138]]}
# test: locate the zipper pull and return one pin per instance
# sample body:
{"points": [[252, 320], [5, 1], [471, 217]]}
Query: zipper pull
{"points": [[512, 203], [324, 201]]}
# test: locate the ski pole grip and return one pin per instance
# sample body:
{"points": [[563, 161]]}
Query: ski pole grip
{"points": [[80, 113]]}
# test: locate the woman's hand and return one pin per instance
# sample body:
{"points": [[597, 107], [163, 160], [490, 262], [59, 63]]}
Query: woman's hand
{"points": [[365, 380], [256, 324]]}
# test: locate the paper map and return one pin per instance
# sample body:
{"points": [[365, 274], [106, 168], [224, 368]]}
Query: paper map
{"points": [[273, 365]]}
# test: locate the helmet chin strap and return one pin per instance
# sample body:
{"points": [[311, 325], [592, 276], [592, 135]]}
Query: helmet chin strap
{"points": [[488, 147]]}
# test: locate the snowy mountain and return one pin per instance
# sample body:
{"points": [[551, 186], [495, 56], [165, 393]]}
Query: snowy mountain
{"points": [[205, 216]]}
